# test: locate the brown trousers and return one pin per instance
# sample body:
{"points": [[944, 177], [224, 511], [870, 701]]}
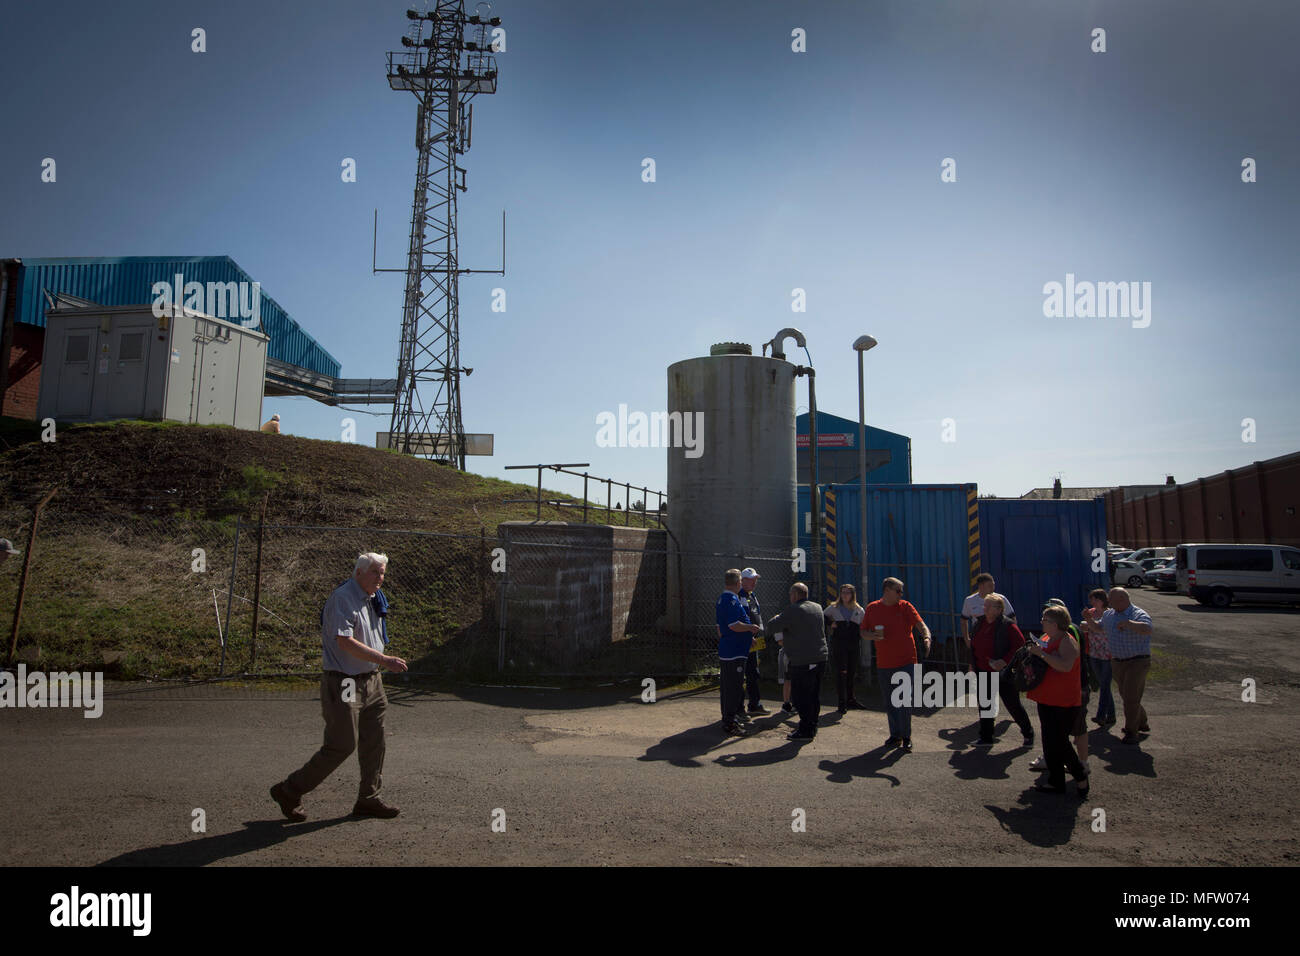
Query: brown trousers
{"points": [[356, 725], [1131, 679]]}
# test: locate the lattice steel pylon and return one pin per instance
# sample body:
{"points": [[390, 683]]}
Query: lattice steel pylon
{"points": [[446, 61]]}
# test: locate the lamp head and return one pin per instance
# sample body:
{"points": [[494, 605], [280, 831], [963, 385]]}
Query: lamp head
{"points": [[864, 342]]}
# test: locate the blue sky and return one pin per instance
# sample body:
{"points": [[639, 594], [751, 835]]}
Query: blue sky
{"points": [[775, 170]]}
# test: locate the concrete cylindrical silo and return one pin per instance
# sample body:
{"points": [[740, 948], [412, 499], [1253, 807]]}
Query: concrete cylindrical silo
{"points": [[731, 501]]}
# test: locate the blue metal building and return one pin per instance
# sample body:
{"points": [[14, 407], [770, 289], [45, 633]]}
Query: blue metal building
{"points": [[129, 280], [889, 455]]}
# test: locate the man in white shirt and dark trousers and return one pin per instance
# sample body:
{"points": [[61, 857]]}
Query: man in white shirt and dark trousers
{"points": [[352, 693]]}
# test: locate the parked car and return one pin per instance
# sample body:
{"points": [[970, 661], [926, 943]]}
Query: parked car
{"points": [[1143, 553], [1129, 573], [1149, 577], [1165, 578], [1219, 574]]}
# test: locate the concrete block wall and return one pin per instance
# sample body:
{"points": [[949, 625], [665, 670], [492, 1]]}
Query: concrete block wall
{"points": [[573, 590]]}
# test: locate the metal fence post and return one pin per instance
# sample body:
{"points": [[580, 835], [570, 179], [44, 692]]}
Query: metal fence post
{"points": [[230, 593], [257, 582], [502, 607], [22, 579]]}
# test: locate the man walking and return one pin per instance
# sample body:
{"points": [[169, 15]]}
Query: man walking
{"points": [[890, 622], [748, 582], [351, 692], [1128, 636], [735, 634], [805, 650]]}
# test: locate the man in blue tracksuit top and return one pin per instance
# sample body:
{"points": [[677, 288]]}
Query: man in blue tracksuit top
{"points": [[735, 635]]}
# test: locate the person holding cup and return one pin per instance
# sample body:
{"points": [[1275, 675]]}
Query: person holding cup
{"points": [[890, 622]]}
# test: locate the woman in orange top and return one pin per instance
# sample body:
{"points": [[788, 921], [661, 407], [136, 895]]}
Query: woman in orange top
{"points": [[1059, 699]]}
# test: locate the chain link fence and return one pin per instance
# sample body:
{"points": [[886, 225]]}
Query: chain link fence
{"points": [[174, 593]]}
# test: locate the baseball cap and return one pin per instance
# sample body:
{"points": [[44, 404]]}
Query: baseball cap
{"points": [[7, 546], [1053, 602], [748, 573]]}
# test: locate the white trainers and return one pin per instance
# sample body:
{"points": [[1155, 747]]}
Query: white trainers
{"points": [[1040, 763]]}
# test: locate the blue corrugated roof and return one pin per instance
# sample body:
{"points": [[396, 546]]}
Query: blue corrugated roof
{"points": [[128, 280], [826, 422]]}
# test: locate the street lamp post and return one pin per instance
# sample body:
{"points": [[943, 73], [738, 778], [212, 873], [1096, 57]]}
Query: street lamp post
{"points": [[862, 344]]}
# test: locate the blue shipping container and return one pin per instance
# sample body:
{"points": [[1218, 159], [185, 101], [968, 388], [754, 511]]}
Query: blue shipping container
{"points": [[1040, 549], [919, 534]]}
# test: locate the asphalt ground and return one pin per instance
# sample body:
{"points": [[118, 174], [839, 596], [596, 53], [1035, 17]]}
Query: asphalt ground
{"points": [[595, 776]]}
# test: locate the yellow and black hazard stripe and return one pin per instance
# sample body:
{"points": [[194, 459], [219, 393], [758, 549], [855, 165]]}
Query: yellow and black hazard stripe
{"points": [[832, 563], [973, 531]]}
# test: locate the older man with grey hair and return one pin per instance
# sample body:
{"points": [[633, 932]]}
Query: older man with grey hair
{"points": [[352, 695], [805, 649]]}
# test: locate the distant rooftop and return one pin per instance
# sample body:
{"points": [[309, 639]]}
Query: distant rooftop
{"points": [[1130, 491]]}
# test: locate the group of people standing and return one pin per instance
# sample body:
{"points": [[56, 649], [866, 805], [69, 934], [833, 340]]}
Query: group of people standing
{"points": [[1111, 641]]}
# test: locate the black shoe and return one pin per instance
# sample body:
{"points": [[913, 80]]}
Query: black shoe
{"points": [[733, 730], [854, 705], [743, 717], [796, 735], [907, 745], [893, 741], [983, 743], [758, 709], [1144, 729], [841, 710], [788, 707], [1048, 788], [288, 805], [1029, 739], [374, 807], [1130, 739]]}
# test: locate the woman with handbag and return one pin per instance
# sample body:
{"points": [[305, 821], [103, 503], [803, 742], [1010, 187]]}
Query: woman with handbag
{"points": [[1058, 698]]}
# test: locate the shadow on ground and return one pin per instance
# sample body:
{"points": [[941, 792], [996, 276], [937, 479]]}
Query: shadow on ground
{"points": [[1043, 819], [256, 835]]}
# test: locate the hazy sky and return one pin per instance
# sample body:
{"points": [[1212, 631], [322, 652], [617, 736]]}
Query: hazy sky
{"points": [[775, 170]]}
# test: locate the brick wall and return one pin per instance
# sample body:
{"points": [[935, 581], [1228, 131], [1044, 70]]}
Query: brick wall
{"points": [[24, 371]]}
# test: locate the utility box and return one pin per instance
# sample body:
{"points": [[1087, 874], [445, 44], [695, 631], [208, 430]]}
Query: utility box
{"points": [[107, 362]]}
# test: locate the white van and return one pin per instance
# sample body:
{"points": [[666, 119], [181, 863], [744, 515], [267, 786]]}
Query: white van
{"points": [[1219, 574]]}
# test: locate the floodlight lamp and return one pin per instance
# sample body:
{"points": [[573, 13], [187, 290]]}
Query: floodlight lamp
{"points": [[412, 15], [406, 41], [864, 343], [495, 22]]}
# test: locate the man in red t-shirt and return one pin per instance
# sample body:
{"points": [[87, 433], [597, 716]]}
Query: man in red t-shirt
{"points": [[891, 622]]}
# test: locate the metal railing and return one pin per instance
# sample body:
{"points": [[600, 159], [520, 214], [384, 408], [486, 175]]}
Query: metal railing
{"points": [[586, 504]]}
